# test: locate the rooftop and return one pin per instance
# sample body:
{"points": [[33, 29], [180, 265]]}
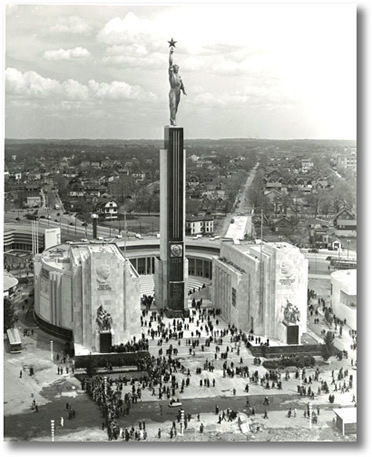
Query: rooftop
{"points": [[348, 415], [9, 282], [63, 255]]}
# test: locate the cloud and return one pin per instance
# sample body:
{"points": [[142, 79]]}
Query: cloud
{"points": [[129, 30], [66, 54], [73, 90], [133, 41], [71, 24], [31, 85], [118, 90]]}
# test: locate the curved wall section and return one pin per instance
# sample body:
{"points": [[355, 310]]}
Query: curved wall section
{"points": [[142, 255], [55, 330], [65, 285]]}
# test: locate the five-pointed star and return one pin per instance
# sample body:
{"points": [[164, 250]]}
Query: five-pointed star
{"points": [[172, 43]]}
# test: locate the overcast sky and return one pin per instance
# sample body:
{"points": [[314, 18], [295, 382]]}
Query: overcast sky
{"points": [[250, 70]]}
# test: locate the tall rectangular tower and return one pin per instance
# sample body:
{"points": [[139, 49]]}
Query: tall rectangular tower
{"points": [[170, 286]]}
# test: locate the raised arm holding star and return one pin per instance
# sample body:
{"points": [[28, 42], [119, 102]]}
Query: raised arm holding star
{"points": [[176, 84]]}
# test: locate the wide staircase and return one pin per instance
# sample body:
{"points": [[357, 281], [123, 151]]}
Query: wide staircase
{"points": [[147, 284]]}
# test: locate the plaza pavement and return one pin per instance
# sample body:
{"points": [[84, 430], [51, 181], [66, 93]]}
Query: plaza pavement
{"points": [[19, 392]]}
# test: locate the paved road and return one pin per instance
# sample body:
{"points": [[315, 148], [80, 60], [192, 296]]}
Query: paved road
{"points": [[28, 426], [153, 411], [244, 207]]}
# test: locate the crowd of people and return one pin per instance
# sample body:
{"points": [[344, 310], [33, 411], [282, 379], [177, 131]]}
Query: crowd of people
{"points": [[167, 378], [110, 397]]}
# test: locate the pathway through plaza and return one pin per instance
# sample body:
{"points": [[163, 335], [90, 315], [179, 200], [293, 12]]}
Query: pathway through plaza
{"points": [[32, 425]]}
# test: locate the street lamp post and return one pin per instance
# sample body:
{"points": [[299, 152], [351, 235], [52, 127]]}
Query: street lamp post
{"points": [[52, 429], [94, 218]]}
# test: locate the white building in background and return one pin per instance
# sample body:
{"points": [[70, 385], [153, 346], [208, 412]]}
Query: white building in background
{"points": [[52, 237], [344, 296], [108, 210], [9, 285], [306, 165], [196, 225]]}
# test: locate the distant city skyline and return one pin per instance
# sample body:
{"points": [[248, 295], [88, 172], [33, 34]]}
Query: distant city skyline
{"points": [[280, 71]]}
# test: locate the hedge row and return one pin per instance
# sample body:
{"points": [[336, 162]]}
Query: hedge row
{"points": [[299, 361], [113, 359]]}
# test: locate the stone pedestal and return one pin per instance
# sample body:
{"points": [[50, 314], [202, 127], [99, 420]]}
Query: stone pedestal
{"points": [[105, 341], [292, 333], [171, 271]]}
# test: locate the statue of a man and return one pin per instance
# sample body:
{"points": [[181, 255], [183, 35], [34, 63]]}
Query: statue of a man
{"points": [[176, 85]]}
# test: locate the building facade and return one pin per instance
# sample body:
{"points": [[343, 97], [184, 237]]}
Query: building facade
{"points": [[108, 210], [262, 288], [196, 225], [88, 290]]}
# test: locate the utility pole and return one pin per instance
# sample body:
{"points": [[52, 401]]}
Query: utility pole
{"points": [[125, 234]]}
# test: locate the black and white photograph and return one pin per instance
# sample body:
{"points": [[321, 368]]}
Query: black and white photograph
{"points": [[180, 223]]}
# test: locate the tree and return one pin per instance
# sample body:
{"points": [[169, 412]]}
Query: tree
{"points": [[313, 201], [192, 206], [10, 317], [342, 194], [328, 348]]}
